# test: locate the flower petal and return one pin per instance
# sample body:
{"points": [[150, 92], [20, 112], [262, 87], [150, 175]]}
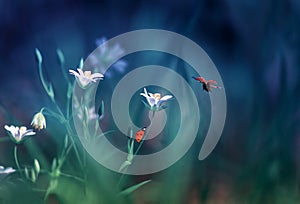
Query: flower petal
{"points": [[9, 170], [73, 72], [80, 72], [163, 99], [96, 76], [28, 133], [12, 129], [166, 97], [7, 127]]}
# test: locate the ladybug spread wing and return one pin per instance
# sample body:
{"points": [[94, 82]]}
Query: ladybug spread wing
{"points": [[212, 82]]}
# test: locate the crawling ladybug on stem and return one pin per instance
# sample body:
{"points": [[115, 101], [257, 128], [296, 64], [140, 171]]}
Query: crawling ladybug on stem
{"points": [[140, 134]]}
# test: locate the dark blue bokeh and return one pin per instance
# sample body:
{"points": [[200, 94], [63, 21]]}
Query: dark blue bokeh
{"points": [[254, 44]]}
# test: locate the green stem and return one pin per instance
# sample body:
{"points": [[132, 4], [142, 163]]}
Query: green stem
{"points": [[42, 77], [62, 67], [73, 177], [49, 112], [64, 155], [70, 131], [59, 110], [16, 158], [138, 149], [74, 144], [69, 96], [47, 87], [63, 174], [121, 178], [145, 136], [42, 109], [68, 107]]}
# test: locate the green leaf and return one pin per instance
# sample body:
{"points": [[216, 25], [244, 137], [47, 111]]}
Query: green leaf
{"points": [[81, 63], [50, 92], [133, 188], [66, 142], [54, 164], [147, 105], [33, 176], [37, 166], [26, 173], [70, 90], [38, 56], [130, 151]]}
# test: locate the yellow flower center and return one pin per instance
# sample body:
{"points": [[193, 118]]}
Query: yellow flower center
{"points": [[88, 74], [157, 96], [22, 130]]}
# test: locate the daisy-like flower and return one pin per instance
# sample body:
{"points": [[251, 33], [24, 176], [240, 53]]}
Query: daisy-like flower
{"points": [[84, 78], [155, 100], [5, 171], [18, 134], [38, 121]]}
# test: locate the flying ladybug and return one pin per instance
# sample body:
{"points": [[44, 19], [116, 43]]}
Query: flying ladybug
{"points": [[207, 85], [140, 134]]}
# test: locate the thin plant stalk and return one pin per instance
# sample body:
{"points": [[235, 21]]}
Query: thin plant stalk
{"points": [[16, 158], [49, 90], [145, 136], [139, 147]]}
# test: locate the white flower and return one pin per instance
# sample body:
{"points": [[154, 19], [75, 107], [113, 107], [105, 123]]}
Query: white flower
{"points": [[155, 99], [17, 134], [5, 171], [39, 121], [84, 78]]}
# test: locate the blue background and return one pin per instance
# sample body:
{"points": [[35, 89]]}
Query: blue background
{"points": [[254, 44]]}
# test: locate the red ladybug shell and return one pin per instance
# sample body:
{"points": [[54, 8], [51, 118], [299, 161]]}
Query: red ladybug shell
{"points": [[140, 134], [200, 79]]}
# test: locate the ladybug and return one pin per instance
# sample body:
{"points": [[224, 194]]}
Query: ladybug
{"points": [[140, 134], [207, 85]]}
